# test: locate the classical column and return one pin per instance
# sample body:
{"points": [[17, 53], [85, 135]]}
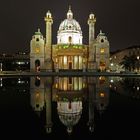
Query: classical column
{"points": [[91, 23], [48, 47]]}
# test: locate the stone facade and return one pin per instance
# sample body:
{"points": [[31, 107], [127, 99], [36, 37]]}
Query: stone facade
{"points": [[69, 53]]}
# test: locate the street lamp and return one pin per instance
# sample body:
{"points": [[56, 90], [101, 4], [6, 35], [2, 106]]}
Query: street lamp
{"points": [[138, 57]]}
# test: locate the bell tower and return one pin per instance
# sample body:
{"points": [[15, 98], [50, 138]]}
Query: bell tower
{"points": [[48, 44], [37, 52]]}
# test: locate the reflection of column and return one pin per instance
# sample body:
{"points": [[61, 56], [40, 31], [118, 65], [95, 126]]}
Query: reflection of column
{"points": [[92, 92], [80, 83], [48, 100], [1, 83], [0, 66], [75, 83], [57, 64]]}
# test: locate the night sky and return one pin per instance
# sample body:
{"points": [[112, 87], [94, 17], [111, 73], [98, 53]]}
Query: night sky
{"points": [[119, 19]]}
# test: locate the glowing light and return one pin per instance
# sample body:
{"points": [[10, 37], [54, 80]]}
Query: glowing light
{"points": [[138, 88], [38, 78], [37, 95], [0, 66], [20, 82], [112, 64], [102, 78], [111, 80], [102, 50], [37, 50], [102, 95], [56, 85], [20, 63], [1, 84]]}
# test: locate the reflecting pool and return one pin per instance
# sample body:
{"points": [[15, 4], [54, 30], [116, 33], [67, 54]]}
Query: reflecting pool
{"points": [[70, 107]]}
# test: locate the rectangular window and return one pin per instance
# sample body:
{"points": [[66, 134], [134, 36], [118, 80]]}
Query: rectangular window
{"points": [[102, 50]]}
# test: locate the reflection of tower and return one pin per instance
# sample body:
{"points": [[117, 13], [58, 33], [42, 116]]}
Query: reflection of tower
{"points": [[1, 82], [37, 94], [48, 46], [92, 92], [102, 93], [41, 98], [48, 102]]}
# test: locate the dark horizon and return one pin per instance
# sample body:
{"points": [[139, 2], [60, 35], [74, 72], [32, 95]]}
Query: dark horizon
{"points": [[119, 20]]}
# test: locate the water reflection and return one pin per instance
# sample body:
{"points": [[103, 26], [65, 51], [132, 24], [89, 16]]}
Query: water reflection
{"points": [[131, 86], [70, 94], [70, 105]]}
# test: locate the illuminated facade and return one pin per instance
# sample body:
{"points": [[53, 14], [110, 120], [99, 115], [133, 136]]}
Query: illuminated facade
{"points": [[69, 53]]}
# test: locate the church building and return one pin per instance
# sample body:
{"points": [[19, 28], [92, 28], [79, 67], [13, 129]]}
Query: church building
{"points": [[69, 53]]}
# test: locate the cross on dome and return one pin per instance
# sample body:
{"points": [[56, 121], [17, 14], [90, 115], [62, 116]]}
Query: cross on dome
{"points": [[69, 13]]}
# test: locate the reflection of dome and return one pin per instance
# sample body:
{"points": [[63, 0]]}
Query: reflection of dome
{"points": [[69, 113], [69, 119], [69, 31]]}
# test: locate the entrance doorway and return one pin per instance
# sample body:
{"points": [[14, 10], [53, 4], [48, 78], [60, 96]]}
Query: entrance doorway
{"points": [[70, 65], [37, 65]]}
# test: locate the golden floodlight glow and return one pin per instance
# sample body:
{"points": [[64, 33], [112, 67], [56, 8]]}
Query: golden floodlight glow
{"points": [[102, 95], [102, 50], [37, 95], [37, 50]]}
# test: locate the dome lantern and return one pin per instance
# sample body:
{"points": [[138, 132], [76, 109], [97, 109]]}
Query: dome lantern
{"points": [[69, 13]]}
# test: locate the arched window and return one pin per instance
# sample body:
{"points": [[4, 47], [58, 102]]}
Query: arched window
{"points": [[70, 39], [37, 39], [102, 40]]}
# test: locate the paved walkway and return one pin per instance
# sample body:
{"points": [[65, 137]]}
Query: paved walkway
{"points": [[66, 73]]}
